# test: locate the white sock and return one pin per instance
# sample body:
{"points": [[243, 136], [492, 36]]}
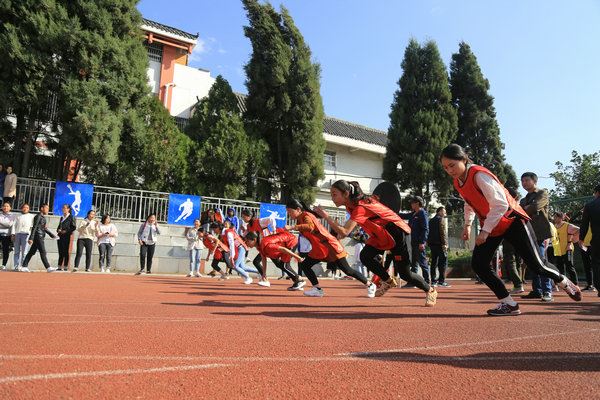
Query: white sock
{"points": [[508, 300]]}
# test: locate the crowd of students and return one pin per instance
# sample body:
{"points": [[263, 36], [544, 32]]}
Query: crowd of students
{"points": [[379, 234]]}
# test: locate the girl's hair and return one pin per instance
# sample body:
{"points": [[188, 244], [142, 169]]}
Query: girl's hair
{"points": [[149, 215], [247, 213], [24, 204], [352, 188], [562, 216], [88, 213], [251, 236], [68, 207], [216, 225], [201, 230], [104, 217], [455, 152], [197, 220], [295, 204]]}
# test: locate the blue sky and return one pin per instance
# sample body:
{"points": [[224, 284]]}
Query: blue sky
{"points": [[542, 59]]}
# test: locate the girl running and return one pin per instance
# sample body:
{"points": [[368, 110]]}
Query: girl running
{"points": [[502, 218], [279, 247], [325, 247], [386, 231], [263, 227], [216, 248], [237, 249]]}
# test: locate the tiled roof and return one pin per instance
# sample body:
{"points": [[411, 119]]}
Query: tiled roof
{"points": [[169, 29], [338, 127]]}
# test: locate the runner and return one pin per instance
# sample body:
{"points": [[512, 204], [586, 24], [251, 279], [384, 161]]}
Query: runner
{"points": [[279, 247], [325, 247], [386, 231], [501, 218]]}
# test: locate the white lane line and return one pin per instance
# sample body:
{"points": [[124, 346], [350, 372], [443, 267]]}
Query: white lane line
{"points": [[456, 345], [68, 375]]}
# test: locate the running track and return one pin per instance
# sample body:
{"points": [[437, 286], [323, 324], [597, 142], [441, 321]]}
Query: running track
{"points": [[85, 336]]}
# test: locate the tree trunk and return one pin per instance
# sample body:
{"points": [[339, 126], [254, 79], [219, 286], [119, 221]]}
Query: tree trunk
{"points": [[18, 141], [30, 137]]}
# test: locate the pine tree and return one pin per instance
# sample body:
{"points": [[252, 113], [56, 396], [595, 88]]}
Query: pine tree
{"points": [[422, 122], [478, 130]]}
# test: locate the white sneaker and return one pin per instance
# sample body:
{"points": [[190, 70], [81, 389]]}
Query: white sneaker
{"points": [[248, 281], [314, 292], [264, 283], [3, 268], [224, 277], [108, 270], [189, 275], [24, 269], [51, 269], [198, 275], [101, 269], [371, 289]]}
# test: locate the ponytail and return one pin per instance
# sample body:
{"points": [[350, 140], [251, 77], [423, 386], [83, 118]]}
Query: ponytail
{"points": [[295, 204], [353, 189]]}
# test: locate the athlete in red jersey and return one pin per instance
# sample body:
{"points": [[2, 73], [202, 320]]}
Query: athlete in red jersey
{"points": [[502, 219], [237, 249], [325, 247], [215, 247], [386, 231], [262, 227], [279, 247]]}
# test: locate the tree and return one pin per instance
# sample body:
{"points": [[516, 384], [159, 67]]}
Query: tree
{"points": [[478, 130], [422, 122], [284, 106], [222, 148]]}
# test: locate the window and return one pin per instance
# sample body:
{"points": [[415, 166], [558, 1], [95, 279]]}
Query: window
{"points": [[329, 160], [155, 51]]}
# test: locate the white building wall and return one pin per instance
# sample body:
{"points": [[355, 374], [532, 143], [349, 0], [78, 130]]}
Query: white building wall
{"points": [[190, 84], [154, 76]]}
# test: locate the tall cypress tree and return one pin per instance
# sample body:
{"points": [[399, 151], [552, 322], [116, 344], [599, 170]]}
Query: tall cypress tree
{"points": [[478, 130], [284, 106], [422, 122]]}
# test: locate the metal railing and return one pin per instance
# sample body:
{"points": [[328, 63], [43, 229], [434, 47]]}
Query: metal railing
{"points": [[132, 204]]}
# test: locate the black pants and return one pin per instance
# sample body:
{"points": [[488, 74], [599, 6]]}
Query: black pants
{"points": [[303, 255], [215, 264], [6, 241], [565, 266], [285, 268], [63, 250], [342, 263], [439, 262], [595, 259], [257, 262], [369, 258], [38, 244], [511, 264], [146, 254], [520, 234], [586, 257], [88, 245]]}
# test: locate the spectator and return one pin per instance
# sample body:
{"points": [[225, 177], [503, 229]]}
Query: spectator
{"points": [[438, 244], [586, 258], [147, 238], [66, 227], [107, 233], [195, 236], [87, 233], [360, 238], [567, 234], [10, 185], [36, 239], [2, 178], [510, 260], [535, 204], [419, 225], [21, 231], [233, 219], [7, 220], [591, 221]]}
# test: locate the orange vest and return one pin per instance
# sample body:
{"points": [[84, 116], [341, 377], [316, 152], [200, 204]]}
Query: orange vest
{"points": [[324, 246], [378, 217], [212, 247], [269, 246], [473, 196]]}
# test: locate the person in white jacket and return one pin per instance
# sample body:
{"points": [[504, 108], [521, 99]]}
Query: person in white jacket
{"points": [[20, 232], [106, 234], [194, 236], [7, 220]]}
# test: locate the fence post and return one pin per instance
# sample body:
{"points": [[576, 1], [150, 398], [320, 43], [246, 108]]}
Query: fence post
{"points": [[141, 205]]}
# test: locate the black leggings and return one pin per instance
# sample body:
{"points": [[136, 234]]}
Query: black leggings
{"points": [[285, 267], [342, 263], [401, 259], [520, 235], [88, 245], [257, 262], [6, 240], [63, 250]]}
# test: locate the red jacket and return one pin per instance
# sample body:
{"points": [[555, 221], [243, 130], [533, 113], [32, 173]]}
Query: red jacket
{"points": [[325, 247], [269, 246]]}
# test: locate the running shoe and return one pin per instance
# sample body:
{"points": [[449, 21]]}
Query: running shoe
{"points": [[298, 285], [51, 269], [139, 272], [102, 270], [24, 269], [385, 286], [371, 289], [247, 281], [517, 290], [198, 275], [264, 283], [572, 289], [532, 295], [108, 270], [3, 268], [504, 310], [444, 284], [547, 297], [431, 298], [189, 275], [222, 278], [589, 288], [314, 292]]}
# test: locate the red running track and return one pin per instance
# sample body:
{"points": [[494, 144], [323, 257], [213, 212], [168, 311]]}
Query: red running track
{"points": [[84, 336]]}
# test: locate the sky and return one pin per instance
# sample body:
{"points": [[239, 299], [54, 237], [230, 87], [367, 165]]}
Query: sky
{"points": [[542, 59]]}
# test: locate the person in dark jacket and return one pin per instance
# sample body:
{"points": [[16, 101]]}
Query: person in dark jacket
{"points": [[437, 240], [591, 220], [65, 230], [419, 225], [36, 238]]}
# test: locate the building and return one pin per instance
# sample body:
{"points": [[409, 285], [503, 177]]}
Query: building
{"points": [[353, 152]]}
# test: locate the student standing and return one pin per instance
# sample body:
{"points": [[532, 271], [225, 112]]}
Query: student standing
{"points": [[591, 221], [7, 221], [107, 234], [437, 240], [194, 236], [567, 234], [36, 239], [21, 231], [66, 227], [87, 234], [147, 238], [418, 221], [10, 185], [502, 218]]}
